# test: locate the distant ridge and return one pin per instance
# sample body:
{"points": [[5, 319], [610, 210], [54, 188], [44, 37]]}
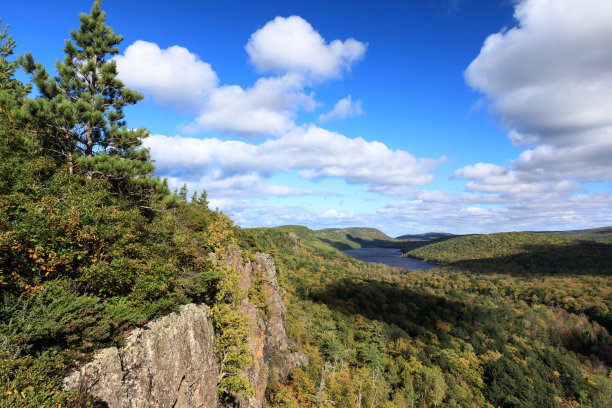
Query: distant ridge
{"points": [[601, 234], [363, 237], [425, 237], [523, 252]]}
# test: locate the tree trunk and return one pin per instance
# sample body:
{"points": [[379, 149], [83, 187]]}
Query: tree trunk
{"points": [[70, 164], [334, 366], [321, 384], [89, 148], [374, 378]]}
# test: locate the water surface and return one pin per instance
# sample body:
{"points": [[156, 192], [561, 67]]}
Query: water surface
{"points": [[388, 256]]}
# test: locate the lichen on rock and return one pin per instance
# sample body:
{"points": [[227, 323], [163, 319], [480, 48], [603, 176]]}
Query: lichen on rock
{"points": [[173, 362]]}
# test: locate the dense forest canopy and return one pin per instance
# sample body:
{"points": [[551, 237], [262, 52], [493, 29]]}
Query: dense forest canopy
{"points": [[522, 253], [383, 336], [93, 245]]}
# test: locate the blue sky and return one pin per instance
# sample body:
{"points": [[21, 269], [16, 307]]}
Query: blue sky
{"points": [[416, 116]]}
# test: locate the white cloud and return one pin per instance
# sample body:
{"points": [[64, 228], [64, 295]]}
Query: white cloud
{"points": [[292, 45], [174, 76], [311, 151], [268, 108], [317, 152], [288, 46], [480, 171], [178, 78], [343, 108], [549, 80], [589, 162], [462, 214], [429, 211], [236, 186], [510, 185]]}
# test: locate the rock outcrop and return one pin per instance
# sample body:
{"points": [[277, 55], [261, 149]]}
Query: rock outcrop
{"points": [[268, 340], [171, 362]]}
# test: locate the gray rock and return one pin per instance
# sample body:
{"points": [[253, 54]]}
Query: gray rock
{"points": [[168, 363], [171, 362]]}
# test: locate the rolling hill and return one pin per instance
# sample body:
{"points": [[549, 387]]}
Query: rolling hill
{"points": [[603, 234], [362, 237], [518, 253]]}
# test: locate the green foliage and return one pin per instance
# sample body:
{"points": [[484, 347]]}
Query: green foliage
{"points": [[202, 200], [90, 244], [518, 253], [232, 328], [470, 247], [79, 115], [11, 89], [442, 337], [256, 293], [355, 237], [347, 238], [43, 331], [182, 193], [603, 234]]}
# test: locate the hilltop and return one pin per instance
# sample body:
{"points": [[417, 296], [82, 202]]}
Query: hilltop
{"points": [[602, 234], [428, 236], [362, 237], [520, 252]]}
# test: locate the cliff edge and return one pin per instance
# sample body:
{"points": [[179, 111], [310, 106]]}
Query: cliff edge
{"points": [[171, 362]]}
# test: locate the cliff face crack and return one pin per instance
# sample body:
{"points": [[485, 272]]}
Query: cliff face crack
{"points": [[176, 396], [124, 371]]}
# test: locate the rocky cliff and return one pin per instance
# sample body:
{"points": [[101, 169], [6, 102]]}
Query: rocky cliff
{"points": [[171, 362]]}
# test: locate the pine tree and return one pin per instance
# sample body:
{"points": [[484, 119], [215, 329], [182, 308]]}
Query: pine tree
{"points": [[11, 89], [79, 114], [203, 200], [182, 194]]}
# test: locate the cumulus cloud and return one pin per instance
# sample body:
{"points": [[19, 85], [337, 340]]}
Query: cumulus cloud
{"points": [[234, 187], [311, 151], [292, 45], [177, 77], [289, 47], [343, 108], [174, 76], [317, 152], [510, 185], [250, 214], [590, 162], [549, 80], [461, 214], [428, 211], [267, 108]]}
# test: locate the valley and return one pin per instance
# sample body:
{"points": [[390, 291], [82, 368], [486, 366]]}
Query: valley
{"points": [[120, 288], [450, 335]]}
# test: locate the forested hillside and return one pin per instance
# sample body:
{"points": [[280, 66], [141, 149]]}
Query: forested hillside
{"points": [[376, 336], [350, 238], [91, 245], [519, 253], [603, 234], [355, 237]]}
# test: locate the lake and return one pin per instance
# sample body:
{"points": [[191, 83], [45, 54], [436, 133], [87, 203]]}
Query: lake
{"points": [[388, 256]]}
